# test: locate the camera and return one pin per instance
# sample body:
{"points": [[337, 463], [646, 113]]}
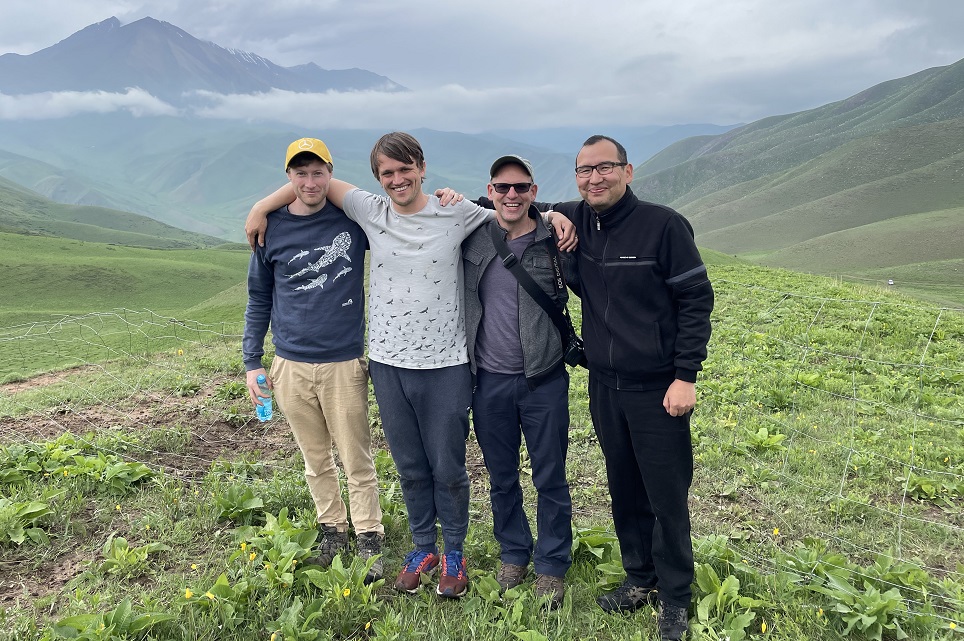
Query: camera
{"points": [[573, 353]]}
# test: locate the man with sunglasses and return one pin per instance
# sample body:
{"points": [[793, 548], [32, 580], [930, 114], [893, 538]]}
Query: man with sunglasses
{"points": [[521, 383]]}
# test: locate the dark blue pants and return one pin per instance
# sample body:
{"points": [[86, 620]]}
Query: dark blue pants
{"points": [[425, 416], [503, 410], [649, 464]]}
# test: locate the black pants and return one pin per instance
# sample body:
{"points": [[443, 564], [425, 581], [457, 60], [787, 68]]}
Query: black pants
{"points": [[649, 464]]}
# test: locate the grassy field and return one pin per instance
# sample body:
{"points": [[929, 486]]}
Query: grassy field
{"points": [[118, 292], [141, 500]]}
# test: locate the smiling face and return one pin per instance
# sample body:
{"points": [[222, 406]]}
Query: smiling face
{"points": [[512, 209], [310, 182], [602, 191], [402, 181]]}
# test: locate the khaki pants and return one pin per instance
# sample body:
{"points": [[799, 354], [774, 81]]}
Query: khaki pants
{"points": [[327, 403]]}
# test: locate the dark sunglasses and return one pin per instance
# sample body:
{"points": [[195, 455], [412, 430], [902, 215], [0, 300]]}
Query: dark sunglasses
{"points": [[503, 188]]}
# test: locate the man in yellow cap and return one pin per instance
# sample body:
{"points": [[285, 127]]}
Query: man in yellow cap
{"points": [[307, 283]]}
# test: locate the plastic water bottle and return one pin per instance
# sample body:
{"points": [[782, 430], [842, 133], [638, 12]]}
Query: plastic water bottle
{"points": [[264, 411]]}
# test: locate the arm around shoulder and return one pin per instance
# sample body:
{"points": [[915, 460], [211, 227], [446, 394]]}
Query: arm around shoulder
{"points": [[257, 221]]}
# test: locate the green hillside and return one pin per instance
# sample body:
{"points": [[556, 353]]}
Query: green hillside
{"points": [[25, 212], [777, 144], [47, 277], [870, 183]]}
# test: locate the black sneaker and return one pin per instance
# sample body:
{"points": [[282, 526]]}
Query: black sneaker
{"points": [[370, 544], [627, 598], [673, 622], [331, 544]]}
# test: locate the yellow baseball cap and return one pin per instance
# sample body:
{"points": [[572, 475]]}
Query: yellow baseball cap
{"points": [[311, 145]]}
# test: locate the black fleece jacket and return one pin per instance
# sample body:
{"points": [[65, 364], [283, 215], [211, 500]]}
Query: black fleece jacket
{"points": [[646, 297]]}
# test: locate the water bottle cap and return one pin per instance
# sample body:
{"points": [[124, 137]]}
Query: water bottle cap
{"points": [[261, 378]]}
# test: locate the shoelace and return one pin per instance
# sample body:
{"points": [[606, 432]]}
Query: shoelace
{"points": [[414, 559], [453, 563]]}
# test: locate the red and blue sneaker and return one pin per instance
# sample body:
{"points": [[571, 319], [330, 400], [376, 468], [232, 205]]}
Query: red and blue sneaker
{"points": [[417, 562], [453, 582]]}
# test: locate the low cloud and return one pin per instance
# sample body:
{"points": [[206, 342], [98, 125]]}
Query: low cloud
{"points": [[60, 104]]}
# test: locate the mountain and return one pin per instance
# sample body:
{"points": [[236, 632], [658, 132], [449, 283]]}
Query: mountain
{"points": [[861, 186], [26, 213], [166, 61]]}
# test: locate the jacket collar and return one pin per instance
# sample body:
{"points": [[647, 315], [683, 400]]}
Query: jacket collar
{"points": [[618, 212]]}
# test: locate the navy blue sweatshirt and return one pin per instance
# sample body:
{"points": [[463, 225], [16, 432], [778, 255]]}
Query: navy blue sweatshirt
{"points": [[308, 283]]}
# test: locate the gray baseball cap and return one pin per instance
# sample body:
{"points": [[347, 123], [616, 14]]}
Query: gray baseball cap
{"points": [[511, 159]]}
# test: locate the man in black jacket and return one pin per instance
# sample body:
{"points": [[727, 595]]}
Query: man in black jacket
{"points": [[646, 303]]}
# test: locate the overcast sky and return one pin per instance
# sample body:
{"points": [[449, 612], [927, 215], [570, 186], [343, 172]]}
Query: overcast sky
{"points": [[534, 63]]}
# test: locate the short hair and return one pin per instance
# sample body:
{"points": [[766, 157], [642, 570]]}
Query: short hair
{"points": [[399, 146], [620, 150], [305, 158]]}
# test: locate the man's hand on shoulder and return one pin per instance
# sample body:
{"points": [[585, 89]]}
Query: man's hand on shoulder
{"points": [[448, 196], [255, 226], [565, 230]]}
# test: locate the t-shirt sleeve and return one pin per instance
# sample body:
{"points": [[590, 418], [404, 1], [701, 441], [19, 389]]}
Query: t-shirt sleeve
{"points": [[474, 216], [359, 205]]}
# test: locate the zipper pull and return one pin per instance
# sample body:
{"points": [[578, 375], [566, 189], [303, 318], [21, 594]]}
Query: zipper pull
{"points": [[598, 226]]}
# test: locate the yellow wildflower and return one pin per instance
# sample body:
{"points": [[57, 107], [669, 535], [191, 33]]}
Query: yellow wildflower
{"points": [[180, 352], [274, 635], [820, 612], [194, 566], [776, 531], [252, 555], [244, 545], [188, 594], [368, 625], [147, 527], [345, 592], [763, 627], [209, 595], [952, 625]]}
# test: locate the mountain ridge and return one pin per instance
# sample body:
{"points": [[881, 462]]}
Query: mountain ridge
{"points": [[169, 63]]}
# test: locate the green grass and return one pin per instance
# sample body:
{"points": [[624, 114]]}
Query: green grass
{"points": [[69, 301], [828, 451]]}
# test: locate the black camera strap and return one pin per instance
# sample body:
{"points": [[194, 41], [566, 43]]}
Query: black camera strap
{"points": [[560, 317]]}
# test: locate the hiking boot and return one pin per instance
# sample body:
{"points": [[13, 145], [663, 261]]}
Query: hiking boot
{"points": [[331, 544], [510, 575], [453, 581], [626, 598], [417, 562], [673, 622], [551, 587], [369, 544]]}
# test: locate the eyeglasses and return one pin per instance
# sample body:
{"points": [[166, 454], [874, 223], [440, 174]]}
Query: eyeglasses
{"points": [[503, 188], [603, 168]]}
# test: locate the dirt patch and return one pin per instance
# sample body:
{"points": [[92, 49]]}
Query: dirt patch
{"points": [[19, 586], [43, 380]]}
